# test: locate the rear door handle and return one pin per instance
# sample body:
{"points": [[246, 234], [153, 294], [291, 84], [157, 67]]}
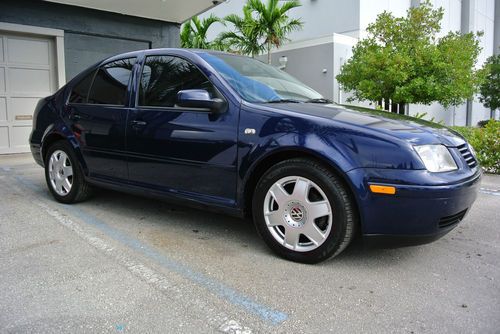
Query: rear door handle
{"points": [[138, 124]]}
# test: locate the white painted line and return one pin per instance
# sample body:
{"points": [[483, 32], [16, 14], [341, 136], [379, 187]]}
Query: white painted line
{"points": [[144, 272], [218, 321], [274, 317]]}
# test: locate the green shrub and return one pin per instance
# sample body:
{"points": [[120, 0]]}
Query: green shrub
{"points": [[486, 143]]}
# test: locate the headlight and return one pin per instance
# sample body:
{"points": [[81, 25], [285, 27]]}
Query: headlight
{"points": [[436, 158]]}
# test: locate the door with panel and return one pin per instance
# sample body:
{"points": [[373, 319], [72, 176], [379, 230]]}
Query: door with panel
{"points": [[186, 151], [97, 111], [27, 74]]}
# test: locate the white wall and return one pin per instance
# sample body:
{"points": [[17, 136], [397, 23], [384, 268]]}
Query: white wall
{"points": [[451, 16], [369, 9], [484, 16], [320, 17], [324, 17]]}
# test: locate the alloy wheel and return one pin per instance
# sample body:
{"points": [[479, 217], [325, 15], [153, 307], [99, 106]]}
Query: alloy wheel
{"points": [[60, 172], [298, 213]]}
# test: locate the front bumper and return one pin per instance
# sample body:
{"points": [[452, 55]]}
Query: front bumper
{"points": [[397, 241], [416, 214]]}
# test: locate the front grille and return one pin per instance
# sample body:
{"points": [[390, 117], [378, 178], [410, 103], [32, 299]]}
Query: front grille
{"points": [[451, 220], [467, 155]]}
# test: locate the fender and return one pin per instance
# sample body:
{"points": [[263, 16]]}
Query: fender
{"points": [[60, 130], [282, 149], [328, 154]]}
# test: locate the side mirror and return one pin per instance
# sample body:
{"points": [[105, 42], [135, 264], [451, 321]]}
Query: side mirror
{"points": [[200, 98]]}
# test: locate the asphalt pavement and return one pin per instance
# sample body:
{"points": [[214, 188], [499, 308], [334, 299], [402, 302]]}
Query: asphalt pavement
{"points": [[119, 263]]}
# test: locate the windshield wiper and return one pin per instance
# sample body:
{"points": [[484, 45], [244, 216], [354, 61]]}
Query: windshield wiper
{"points": [[283, 101], [320, 100]]}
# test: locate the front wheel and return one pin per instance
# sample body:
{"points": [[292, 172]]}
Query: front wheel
{"points": [[64, 175], [303, 211]]}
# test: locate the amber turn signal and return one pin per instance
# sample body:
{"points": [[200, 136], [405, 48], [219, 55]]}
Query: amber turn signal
{"points": [[377, 189]]}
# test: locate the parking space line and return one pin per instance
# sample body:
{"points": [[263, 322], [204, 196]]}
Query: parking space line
{"points": [[266, 313], [146, 273], [487, 191]]}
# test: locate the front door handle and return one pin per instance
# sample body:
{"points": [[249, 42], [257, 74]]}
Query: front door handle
{"points": [[75, 117], [138, 124]]}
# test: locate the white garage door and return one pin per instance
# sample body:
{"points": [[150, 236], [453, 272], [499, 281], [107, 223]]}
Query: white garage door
{"points": [[27, 73]]}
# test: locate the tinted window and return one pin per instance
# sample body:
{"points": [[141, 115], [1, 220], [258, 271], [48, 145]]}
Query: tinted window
{"points": [[111, 81], [259, 82], [164, 76], [81, 90]]}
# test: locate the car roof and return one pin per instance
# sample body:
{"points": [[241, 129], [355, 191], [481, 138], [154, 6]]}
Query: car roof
{"points": [[167, 50]]}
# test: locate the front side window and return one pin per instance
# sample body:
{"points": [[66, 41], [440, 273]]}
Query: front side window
{"points": [[164, 76], [111, 82]]}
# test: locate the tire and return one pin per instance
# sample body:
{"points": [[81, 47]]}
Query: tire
{"points": [[296, 199], [61, 165]]}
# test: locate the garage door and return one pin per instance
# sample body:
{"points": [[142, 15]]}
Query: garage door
{"points": [[27, 73]]}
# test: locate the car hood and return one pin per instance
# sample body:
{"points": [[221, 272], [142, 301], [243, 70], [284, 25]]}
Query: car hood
{"points": [[413, 130]]}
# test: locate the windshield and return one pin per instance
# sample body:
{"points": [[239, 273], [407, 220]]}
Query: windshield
{"points": [[259, 82]]}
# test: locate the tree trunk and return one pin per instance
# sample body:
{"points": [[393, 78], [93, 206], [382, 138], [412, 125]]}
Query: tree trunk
{"points": [[402, 108], [269, 51], [394, 108], [386, 104], [379, 103]]}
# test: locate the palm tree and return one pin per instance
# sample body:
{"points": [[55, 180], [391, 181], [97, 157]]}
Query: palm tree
{"points": [[194, 32], [273, 22], [245, 37], [220, 44]]}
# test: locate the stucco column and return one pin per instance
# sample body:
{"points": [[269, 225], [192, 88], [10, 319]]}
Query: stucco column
{"points": [[496, 25], [466, 26]]}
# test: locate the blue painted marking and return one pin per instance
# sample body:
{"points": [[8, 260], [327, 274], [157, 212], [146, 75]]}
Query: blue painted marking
{"points": [[490, 191], [28, 184], [273, 316], [120, 327]]}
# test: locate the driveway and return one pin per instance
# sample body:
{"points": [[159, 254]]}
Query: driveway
{"points": [[119, 263]]}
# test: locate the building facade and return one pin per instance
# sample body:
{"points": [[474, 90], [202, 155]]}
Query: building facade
{"points": [[316, 53], [44, 44]]}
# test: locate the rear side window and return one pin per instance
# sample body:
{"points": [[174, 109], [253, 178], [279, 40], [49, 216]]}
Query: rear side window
{"points": [[111, 81], [81, 90], [164, 76]]}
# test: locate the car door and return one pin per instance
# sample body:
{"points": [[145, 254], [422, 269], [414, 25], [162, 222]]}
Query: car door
{"points": [[185, 151], [97, 111]]}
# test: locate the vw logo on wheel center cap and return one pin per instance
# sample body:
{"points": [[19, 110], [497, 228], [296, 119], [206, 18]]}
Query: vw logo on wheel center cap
{"points": [[295, 214]]}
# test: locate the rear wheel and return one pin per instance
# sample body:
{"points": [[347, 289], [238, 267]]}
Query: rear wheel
{"points": [[64, 175], [303, 211]]}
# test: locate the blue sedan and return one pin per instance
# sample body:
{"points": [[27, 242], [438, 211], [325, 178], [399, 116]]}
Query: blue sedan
{"points": [[231, 134]]}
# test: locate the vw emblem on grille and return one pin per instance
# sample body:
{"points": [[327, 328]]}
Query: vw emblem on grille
{"points": [[296, 213]]}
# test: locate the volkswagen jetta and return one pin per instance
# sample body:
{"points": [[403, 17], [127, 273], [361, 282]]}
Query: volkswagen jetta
{"points": [[235, 135]]}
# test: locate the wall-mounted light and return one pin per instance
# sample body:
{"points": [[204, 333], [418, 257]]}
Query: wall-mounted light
{"points": [[324, 71], [283, 60]]}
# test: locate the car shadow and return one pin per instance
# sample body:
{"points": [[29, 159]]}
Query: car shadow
{"points": [[176, 215], [210, 225]]}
